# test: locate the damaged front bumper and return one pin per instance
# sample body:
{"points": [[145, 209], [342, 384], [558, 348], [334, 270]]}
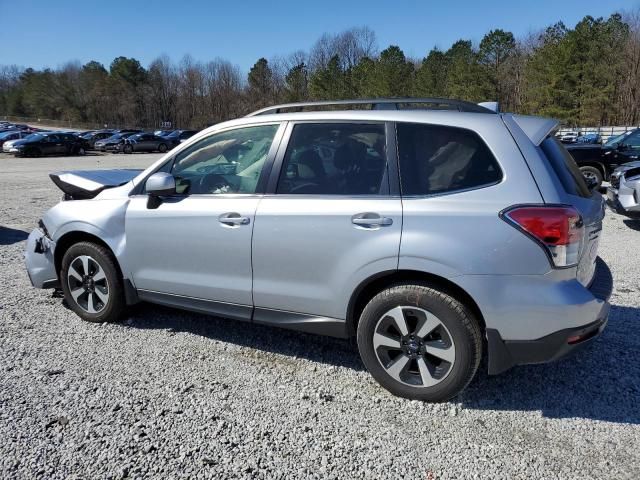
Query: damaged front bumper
{"points": [[623, 196], [39, 258]]}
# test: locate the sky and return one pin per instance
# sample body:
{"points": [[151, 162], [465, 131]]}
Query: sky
{"points": [[45, 33]]}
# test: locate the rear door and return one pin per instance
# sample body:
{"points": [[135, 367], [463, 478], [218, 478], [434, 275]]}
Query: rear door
{"points": [[327, 222]]}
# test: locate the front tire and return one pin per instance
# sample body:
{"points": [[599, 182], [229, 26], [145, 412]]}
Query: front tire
{"points": [[91, 284], [162, 148], [419, 342], [127, 149]]}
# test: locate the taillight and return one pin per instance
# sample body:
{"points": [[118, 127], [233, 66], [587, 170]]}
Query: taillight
{"points": [[559, 229]]}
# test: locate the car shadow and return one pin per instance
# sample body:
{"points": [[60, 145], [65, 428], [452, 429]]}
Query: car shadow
{"points": [[9, 236], [316, 348], [601, 382], [632, 223]]}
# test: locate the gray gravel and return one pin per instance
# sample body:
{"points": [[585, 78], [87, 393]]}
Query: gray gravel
{"points": [[168, 394]]}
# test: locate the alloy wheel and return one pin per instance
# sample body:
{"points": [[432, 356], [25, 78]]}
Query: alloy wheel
{"points": [[414, 346], [88, 284]]}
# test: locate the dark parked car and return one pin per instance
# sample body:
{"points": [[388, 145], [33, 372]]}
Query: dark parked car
{"points": [[12, 135], [49, 143], [112, 142], [592, 138], [597, 162], [178, 136], [143, 142], [92, 137]]}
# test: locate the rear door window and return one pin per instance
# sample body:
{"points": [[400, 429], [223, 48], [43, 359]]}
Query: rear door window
{"points": [[565, 167], [436, 159], [335, 159]]}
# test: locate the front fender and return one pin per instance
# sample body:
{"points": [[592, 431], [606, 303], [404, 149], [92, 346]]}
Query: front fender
{"points": [[103, 219]]}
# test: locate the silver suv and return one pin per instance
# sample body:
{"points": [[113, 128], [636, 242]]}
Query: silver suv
{"points": [[433, 231]]}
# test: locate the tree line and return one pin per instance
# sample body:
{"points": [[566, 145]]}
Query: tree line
{"points": [[586, 75]]}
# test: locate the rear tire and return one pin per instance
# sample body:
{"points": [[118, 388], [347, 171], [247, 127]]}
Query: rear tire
{"points": [[91, 284], [433, 356], [593, 173]]}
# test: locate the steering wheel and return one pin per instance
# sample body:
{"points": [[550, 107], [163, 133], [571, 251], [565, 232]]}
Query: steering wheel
{"points": [[210, 183], [204, 169]]}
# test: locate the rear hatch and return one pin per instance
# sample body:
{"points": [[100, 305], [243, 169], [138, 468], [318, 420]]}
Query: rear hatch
{"points": [[589, 204]]}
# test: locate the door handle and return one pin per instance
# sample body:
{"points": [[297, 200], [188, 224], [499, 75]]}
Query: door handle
{"points": [[233, 219], [371, 220]]}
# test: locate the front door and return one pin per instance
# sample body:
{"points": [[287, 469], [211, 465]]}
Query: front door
{"points": [[194, 250], [329, 224]]}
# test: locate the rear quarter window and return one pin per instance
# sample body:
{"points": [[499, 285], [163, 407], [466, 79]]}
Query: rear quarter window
{"points": [[565, 167], [435, 159]]}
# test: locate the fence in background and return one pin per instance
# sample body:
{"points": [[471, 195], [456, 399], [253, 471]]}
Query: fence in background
{"points": [[604, 132]]}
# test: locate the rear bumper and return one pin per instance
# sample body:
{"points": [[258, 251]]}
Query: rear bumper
{"points": [[39, 260], [504, 354]]}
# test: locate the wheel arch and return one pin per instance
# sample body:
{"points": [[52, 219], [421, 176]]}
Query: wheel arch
{"points": [[76, 236], [371, 286]]}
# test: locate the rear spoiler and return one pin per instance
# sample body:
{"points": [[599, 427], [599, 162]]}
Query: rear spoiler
{"points": [[536, 128]]}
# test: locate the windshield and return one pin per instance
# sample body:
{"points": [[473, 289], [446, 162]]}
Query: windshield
{"points": [[6, 134], [35, 136], [118, 136], [613, 141]]}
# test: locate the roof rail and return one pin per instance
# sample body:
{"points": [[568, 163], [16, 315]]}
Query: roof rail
{"points": [[382, 104]]}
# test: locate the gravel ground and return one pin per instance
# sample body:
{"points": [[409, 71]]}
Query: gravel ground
{"points": [[168, 394]]}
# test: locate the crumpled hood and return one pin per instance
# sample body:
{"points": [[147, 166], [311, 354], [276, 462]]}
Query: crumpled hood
{"points": [[627, 166], [84, 184]]}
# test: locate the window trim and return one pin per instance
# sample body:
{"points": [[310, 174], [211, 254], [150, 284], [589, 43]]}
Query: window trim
{"points": [[448, 192], [264, 174], [272, 185]]}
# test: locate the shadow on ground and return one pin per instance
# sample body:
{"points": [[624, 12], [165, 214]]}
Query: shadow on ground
{"points": [[632, 223], [9, 236], [601, 382]]}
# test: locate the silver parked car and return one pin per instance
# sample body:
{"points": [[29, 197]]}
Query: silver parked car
{"points": [[434, 237], [623, 194], [143, 142]]}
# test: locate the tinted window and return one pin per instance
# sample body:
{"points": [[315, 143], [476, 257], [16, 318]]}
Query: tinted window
{"points": [[226, 162], [436, 159], [334, 159], [565, 167], [633, 140]]}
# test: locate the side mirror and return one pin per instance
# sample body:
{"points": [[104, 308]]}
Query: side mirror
{"points": [[621, 146], [159, 184]]}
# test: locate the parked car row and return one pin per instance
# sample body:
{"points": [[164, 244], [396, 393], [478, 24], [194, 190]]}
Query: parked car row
{"points": [[578, 137], [598, 162], [23, 140]]}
